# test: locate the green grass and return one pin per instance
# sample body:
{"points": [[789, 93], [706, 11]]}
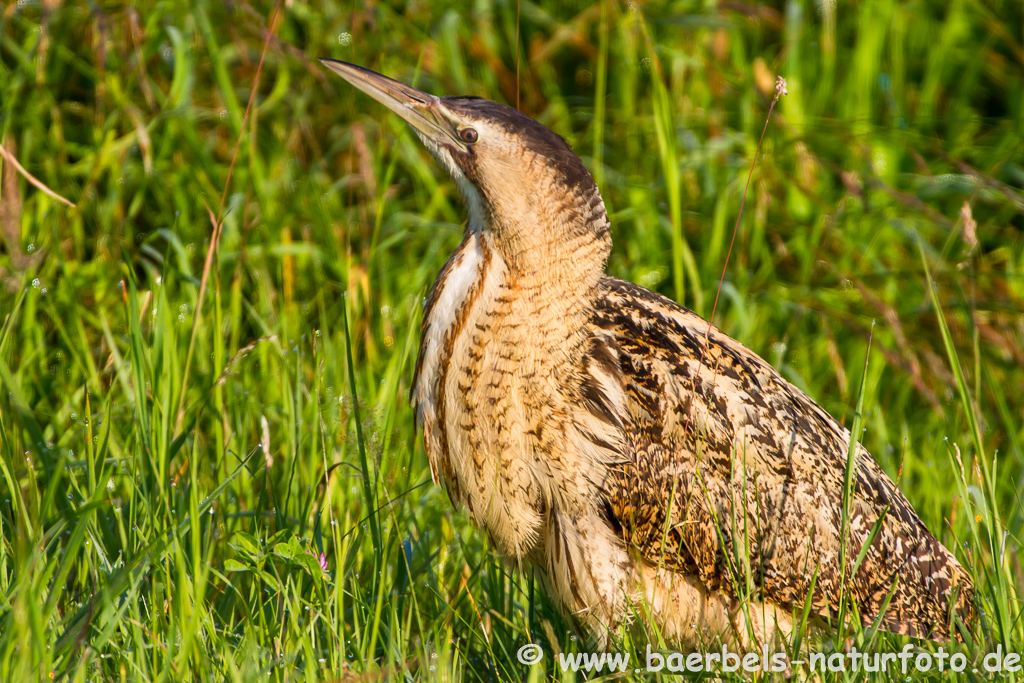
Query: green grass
{"points": [[169, 474]]}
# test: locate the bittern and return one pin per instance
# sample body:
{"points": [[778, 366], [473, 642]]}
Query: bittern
{"points": [[621, 445]]}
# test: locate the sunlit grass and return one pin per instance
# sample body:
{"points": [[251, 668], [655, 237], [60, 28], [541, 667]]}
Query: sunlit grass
{"points": [[163, 518]]}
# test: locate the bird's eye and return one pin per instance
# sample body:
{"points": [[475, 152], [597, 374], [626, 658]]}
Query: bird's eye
{"points": [[469, 135]]}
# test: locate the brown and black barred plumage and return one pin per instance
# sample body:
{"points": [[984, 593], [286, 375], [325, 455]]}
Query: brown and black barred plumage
{"points": [[620, 444]]}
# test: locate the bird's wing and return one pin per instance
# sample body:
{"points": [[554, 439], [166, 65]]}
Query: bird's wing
{"points": [[729, 472]]}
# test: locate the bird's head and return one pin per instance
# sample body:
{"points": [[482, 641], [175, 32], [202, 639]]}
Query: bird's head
{"points": [[521, 182]]}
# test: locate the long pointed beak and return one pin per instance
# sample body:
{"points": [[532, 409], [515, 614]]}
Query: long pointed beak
{"points": [[419, 109]]}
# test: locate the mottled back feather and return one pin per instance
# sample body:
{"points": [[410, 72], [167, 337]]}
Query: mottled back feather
{"points": [[732, 474]]}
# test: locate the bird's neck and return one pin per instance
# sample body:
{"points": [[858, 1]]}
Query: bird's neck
{"points": [[527, 283], [552, 244]]}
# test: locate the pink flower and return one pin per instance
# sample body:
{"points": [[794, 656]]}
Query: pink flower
{"points": [[321, 559]]}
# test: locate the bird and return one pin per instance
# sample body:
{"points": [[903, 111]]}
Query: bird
{"points": [[655, 474]]}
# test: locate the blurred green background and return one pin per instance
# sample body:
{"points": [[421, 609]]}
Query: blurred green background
{"points": [[179, 442]]}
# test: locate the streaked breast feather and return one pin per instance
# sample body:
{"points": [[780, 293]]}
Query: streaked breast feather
{"points": [[451, 298]]}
